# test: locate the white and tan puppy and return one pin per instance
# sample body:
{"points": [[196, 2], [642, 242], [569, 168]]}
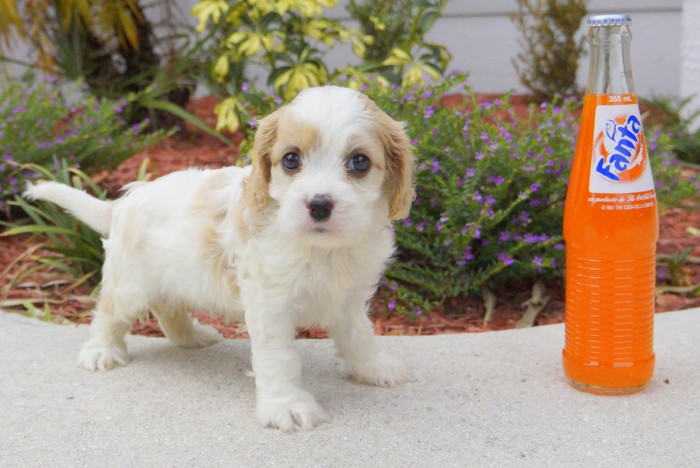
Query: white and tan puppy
{"points": [[299, 238]]}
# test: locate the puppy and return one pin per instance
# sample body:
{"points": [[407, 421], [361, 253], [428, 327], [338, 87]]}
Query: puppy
{"points": [[299, 238]]}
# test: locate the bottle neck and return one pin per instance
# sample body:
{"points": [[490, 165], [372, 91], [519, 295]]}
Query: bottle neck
{"points": [[610, 69]]}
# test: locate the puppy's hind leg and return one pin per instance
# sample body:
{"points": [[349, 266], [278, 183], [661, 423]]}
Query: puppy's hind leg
{"points": [[183, 330], [106, 347]]}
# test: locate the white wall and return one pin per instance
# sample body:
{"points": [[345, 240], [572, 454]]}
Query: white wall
{"points": [[690, 58], [483, 42]]}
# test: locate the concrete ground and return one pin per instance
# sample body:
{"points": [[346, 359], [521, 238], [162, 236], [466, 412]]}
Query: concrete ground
{"points": [[490, 399]]}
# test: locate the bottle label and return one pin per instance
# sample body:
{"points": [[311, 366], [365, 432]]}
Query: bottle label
{"points": [[619, 163]]}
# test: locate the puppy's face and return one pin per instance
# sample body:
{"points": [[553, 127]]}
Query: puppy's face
{"points": [[333, 164]]}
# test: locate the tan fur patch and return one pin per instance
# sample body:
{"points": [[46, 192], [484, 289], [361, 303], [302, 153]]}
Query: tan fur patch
{"points": [[294, 136]]}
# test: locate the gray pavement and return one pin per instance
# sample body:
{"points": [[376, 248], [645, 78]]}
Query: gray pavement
{"points": [[490, 399]]}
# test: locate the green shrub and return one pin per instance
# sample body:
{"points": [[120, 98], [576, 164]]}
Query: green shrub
{"points": [[114, 49], [550, 51], [490, 191], [74, 248], [671, 118], [39, 123], [399, 50], [289, 39]]}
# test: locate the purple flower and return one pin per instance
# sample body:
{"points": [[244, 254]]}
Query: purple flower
{"points": [[477, 232], [504, 258], [421, 226], [245, 87], [465, 128], [434, 166], [428, 112], [559, 246], [427, 95], [535, 187], [524, 217], [496, 180], [470, 172], [476, 196], [253, 122], [392, 304], [539, 261], [18, 110], [479, 156], [534, 238], [408, 223], [506, 134], [504, 236], [468, 255]]}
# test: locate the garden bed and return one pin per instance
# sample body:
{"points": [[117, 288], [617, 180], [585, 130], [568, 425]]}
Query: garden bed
{"points": [[72, 305]]}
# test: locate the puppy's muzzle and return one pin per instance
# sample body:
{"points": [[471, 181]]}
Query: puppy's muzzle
{"points": [[320, 207]]}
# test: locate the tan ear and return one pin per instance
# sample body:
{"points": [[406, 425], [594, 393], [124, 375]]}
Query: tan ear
{"points": [[400, 162], [257, 184]]}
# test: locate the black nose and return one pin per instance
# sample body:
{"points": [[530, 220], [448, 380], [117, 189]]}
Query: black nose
{"points": [[320, 207]]}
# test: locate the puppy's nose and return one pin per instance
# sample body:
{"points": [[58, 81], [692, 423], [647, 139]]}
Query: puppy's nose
{"points": [[320, 207]]}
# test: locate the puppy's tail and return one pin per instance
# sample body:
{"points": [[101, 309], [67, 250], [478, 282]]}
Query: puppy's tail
{"points": [[92, 211]]}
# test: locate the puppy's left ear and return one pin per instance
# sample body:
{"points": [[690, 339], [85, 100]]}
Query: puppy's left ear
{"points": [[400, 162]]}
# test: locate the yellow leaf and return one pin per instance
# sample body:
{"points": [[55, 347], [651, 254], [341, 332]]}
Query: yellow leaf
{"points": [[221, 68], [400, 54], [412, 77], [9, 19], [227, 114], [206, 9], [126, 29]]}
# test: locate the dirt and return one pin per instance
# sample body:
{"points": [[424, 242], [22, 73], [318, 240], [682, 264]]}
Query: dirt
{"points": [[72, 304]]}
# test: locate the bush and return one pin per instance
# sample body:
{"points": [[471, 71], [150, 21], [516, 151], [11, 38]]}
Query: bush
{"points": [[289, 40], [112, 48], [490, 192], [550, 51], [398, 28], [38, 123], [671, 117], [75, 249]]}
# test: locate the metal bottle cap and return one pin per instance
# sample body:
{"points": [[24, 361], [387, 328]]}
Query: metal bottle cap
{"points": [[609, 20]]}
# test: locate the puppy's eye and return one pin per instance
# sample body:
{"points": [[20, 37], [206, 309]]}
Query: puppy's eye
{"points": [[291, 162], [359, 164]]}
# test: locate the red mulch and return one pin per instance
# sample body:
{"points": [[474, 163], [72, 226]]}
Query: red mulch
{"points": [[73, 305]]}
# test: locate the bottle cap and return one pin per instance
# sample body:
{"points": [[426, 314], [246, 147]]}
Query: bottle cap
{"points": [[609, 20]]}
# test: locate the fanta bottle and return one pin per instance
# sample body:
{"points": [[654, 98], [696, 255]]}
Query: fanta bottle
{"points": [[610, 227]]}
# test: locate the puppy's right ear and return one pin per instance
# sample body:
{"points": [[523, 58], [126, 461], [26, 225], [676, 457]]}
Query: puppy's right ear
{"points": [[257, 184]]}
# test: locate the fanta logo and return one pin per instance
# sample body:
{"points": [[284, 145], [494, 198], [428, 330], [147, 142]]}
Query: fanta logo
{"points": [[619, 149]]}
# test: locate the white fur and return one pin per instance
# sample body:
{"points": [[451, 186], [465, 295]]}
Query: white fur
{"points": [[198, 239]]}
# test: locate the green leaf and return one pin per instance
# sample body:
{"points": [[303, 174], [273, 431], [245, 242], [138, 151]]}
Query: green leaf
{"points": [[427, 20], [178, 111]]}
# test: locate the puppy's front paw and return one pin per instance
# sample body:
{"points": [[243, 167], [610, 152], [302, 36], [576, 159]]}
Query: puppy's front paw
{"points": [[102, 357], [382, 370], [300, 412]]}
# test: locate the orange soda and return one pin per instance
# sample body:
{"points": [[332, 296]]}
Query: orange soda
{"points": [[610, 228]]}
